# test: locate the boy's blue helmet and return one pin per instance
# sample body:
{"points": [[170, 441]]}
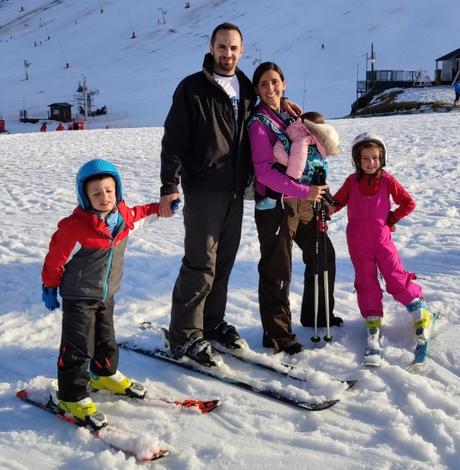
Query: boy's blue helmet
{"points": [[93, 168]]}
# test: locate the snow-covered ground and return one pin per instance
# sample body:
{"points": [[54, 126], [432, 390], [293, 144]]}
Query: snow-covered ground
{"points": [[441, 94], [431, 94], [391, 420]]}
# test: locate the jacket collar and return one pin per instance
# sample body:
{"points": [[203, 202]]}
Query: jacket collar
{"points": [[95, 220], [273, 115]]}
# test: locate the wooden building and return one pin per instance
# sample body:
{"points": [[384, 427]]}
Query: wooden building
{"points": [[450, 68], [60, 112]]}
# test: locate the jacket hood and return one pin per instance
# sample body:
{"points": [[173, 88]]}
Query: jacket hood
{"points": [[208, 63], [325, 135], [93, 168]]}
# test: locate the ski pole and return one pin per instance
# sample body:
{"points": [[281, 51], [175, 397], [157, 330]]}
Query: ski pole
{"points": [[327, 337], [315, 338]]}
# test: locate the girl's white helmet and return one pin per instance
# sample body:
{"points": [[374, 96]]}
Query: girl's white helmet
{"points": [[367, 137]]}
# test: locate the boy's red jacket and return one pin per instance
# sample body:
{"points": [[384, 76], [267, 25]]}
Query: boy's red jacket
{"points": [[84, 259]]}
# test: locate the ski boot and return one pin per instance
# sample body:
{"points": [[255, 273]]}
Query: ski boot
{"points": [[117, 383], [200, 351], [373, 351], [418, 308], [226, 335], [83, 410]]}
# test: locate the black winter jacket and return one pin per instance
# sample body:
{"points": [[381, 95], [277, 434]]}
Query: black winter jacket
{"points": [[203, 147]]}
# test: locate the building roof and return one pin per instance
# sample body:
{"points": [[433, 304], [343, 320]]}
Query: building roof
{"points": [[60, 104], [451, 55]]}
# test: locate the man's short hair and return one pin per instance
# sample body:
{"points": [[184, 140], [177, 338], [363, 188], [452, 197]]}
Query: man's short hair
{"points": [[228, 27]]}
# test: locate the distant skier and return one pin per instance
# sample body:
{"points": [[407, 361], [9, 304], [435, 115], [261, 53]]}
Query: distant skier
{"points": [[457, 92], [367, 193], [43, 127], [85, 261], [60, 127]]}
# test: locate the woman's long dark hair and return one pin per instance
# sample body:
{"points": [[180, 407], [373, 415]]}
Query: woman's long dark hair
{"points": [[264, 67]]}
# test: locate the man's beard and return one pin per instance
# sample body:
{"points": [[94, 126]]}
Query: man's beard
{"points": [[226, 66]]}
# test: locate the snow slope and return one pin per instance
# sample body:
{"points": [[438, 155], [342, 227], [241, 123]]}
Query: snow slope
{"points": [[136, 77], [391, 420]]}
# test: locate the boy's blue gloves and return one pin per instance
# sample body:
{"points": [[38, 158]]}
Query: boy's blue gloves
{"points": [[176, 205], [49, 297]]}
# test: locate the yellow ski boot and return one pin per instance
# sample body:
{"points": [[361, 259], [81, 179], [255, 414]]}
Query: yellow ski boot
{"points": [[117, 383], [83, 410]]}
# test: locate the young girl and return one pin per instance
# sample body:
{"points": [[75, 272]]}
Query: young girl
{"points": [[370, 223]]}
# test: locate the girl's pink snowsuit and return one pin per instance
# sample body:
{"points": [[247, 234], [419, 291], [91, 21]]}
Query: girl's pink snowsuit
{"points": [[371, 247]]}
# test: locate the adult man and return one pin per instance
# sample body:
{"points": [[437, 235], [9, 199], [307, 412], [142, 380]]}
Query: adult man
{"points": [[205, 145]]}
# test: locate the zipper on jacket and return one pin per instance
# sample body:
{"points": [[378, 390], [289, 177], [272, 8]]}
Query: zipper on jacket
{"points": [[238, 129], [105, 287]]}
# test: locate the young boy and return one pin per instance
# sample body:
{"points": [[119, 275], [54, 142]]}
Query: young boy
{"points": [[85, 261], [303, 152]]}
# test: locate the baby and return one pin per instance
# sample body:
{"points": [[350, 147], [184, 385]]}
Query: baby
{"points": [[302, 153]]}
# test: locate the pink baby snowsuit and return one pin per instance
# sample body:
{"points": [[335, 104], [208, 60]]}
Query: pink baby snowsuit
{"points": [[303, 134], [371, 247]]}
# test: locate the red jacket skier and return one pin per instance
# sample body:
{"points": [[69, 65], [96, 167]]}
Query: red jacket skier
{"points": [[85, 261]]}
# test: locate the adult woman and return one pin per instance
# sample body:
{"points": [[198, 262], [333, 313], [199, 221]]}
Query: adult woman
{"points": [[290, 220]]}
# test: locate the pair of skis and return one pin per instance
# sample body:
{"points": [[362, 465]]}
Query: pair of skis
{"points": [[116, 438], [185, 363], [224, 374], [245, 354], [119, 439]]}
